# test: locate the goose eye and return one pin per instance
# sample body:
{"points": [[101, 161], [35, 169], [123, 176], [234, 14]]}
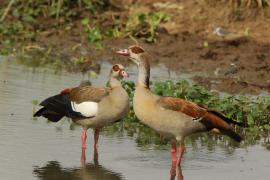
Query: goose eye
{"points": [[115, 68], [123, 73]]}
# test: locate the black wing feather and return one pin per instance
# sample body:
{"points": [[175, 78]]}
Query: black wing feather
{"points": [[55, 107]]}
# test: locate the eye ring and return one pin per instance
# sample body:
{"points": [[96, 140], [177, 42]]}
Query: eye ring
{"points": [[123, 73], [115, 68]]}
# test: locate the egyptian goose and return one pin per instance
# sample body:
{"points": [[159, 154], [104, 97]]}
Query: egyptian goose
{"points": [[172, 117], [89, 106]]}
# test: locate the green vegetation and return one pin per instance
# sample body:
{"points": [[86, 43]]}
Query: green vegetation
{"points": [[140, 25], [94, 20], [144, 25], [29, 11], [22, 25], [22, 19], [253, 112], [93, 34]]}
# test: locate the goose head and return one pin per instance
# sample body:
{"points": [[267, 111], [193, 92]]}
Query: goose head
{"points": [[134, 53], [118, 71], [138, 56]]}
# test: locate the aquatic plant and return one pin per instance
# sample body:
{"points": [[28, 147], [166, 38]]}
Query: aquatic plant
{"points": [[253, 112]]}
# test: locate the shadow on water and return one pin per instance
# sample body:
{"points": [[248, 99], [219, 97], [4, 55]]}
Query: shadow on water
{"points": [[94, 171], [53, 171], [90, 171]]}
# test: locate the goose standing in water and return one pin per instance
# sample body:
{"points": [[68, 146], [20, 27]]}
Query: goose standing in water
{"points": [[88, 106], [172, 117]]}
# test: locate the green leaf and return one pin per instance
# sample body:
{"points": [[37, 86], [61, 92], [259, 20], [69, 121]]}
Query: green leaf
{"points": [[15, 13], [28, 18], [34, 102], [250, 120], [205, 44], [141, 17], [85, 21]]}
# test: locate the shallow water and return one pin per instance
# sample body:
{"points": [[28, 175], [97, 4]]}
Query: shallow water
{"points": [[34, 149]]}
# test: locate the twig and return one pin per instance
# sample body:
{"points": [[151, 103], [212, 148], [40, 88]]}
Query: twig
{"points": [[132, 38], [7, 10]]}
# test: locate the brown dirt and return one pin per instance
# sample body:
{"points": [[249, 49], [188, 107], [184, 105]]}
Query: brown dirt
{"points": [[235, 66], [239, 64]]}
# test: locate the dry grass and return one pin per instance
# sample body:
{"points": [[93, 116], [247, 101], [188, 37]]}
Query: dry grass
{"points": [[241, 3], [249, 3]]}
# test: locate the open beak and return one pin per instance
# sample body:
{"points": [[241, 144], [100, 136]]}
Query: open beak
{"points": [[123, 52]]}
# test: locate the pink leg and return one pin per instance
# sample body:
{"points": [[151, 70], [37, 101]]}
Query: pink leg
{"points": [[173, 152], [174, 159], [83, 157], [96, 156], [180, 174], [180, 154], [96, 136], [84, 136]]}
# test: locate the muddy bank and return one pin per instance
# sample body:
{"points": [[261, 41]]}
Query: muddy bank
{"points": [[183, 43], [239, 65]]}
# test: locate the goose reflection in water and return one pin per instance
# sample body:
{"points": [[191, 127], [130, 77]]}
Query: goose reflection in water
{"points": [[90, 171], [176, 172]]}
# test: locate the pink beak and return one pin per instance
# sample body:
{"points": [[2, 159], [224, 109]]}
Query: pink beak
{"points": [[123, 52]]}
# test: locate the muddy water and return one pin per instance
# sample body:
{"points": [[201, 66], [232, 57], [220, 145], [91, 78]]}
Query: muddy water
{"points": [[35, 149]]}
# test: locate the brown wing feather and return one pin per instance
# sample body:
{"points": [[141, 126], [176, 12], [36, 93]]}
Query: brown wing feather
{"points": [[86, 93], [177, 104], [210, 120], [228, 120], [66, 91]]}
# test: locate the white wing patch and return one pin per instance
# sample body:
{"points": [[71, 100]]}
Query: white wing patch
{"points": [[87, 109]]}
